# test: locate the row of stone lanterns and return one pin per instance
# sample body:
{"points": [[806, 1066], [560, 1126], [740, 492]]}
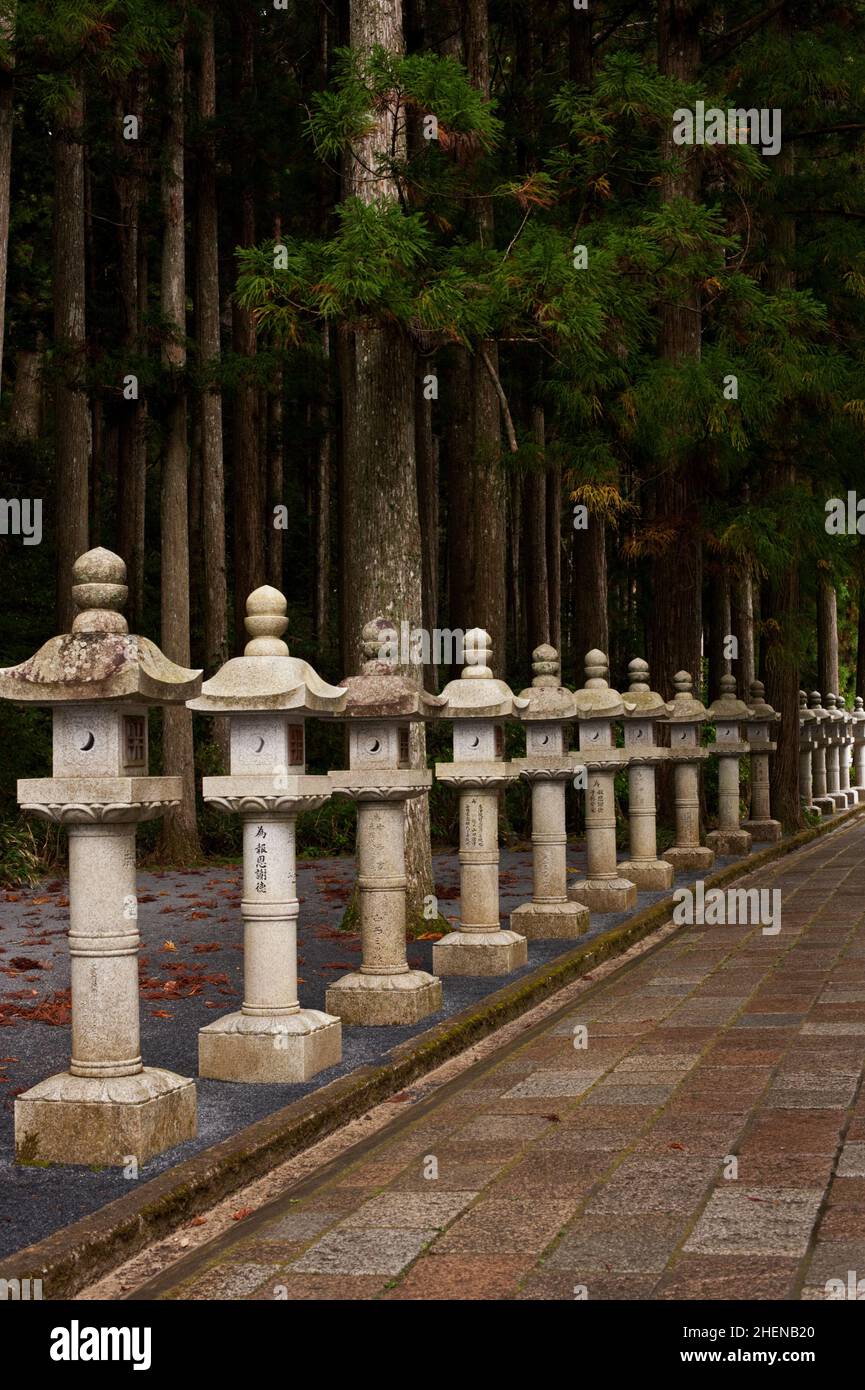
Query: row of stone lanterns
{"points": [[99, 680], [831, 753]]}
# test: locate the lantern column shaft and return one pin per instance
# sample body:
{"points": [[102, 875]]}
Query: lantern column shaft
{"points": [[385, 991]]}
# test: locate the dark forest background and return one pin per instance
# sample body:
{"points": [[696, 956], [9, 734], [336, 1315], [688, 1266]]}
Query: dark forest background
{"points": [[333, 304]]}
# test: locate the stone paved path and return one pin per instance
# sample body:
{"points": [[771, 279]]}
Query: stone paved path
{"points": [[724, 1051]]}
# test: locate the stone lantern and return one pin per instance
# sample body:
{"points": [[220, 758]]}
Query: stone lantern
{"points": [[548, 767], [846, 754], [729, 714], [859, 748], [604, 889], [834, 746], [807, 731], [822, 727], [643, 868], [760, 718], [380, 708], [685, 717], [479, 704], [99, 681], [267, 696]]}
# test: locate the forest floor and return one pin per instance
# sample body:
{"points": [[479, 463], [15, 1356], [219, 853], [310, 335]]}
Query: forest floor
{"points": [[708, 1143], [191, 971]]}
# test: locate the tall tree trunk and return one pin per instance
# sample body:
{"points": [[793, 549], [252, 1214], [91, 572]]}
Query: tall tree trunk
{"points": [[674, 629], [554, 555], [132, 437], [780, 646], [71, 411], [26, 412], [591, 628], [428, 507], [828, 678], [6, 115], [743, 629], [209, 349], [535, 555], [249, 490], [179, 833], [324, 495], [720, 624], [382, 556], [860, 631]]}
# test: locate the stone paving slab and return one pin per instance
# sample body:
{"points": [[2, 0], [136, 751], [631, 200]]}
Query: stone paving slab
{"points": [[720, 1159]]}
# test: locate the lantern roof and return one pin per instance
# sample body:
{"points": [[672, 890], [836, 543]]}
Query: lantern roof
{"points": [[99, 659], [266, 677], [685, 708], [546, 698], [477, 693], [381, 691]]}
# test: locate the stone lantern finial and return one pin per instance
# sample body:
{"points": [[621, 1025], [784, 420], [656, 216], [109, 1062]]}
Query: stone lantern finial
{"points": [[546, 667], [478, 651], [379, 645], [728, 686], [597, 669], [858, 703], [803, 700], [683, 683], [99, 592], [638, 674], [265, 622]]}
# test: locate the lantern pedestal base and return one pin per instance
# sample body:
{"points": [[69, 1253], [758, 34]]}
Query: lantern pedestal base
{"points": [[289, 1047], [840, 800], [480, 953], [653, 875], [729, 843], [604, 894], [763, 831], [550, 921], [384, 1000], [104, 1120], [825, 805], [685, 858], [852, 797]]}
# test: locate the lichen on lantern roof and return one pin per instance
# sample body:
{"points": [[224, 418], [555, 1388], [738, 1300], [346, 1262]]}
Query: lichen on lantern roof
{"points": [[99, 659], [644, 701], [266, 677], [685, 708], [381, 690], [546, 697], [758, 706], [728, 705], [597, 699]]}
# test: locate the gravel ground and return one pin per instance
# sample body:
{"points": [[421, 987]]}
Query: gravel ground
{"points": [[191, 971]]}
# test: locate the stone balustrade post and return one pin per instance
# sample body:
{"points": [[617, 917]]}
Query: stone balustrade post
{"points": [[478, 704], [604, 889], [380, 707], [643, 867], [760, 824], [835, 741], [548, 767], [859, 748], [822, 801], [807, 730], [685, 717], [729, 713], [99, 680], [846, 755], [266, 693]]}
